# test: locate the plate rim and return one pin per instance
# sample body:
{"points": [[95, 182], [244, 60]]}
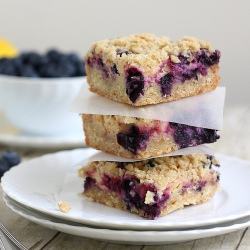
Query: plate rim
{"points": [[114, 235], [43, 141], [18, 138], [100, 221]]}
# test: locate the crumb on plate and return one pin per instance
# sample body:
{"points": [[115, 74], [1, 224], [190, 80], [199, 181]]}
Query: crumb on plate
{"points": [[64, 206]]}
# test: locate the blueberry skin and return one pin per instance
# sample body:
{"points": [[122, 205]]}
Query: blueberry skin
{"points": [[133, 139], [80, 68], [4, 166], [28, 71], [134, 83], [7, 67], [59, 69], [186, 136], [11, 158], [53, 55]]}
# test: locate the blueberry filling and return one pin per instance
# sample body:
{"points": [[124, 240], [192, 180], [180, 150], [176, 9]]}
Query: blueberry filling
{"points": [[197, 186], [218, 177], [166, 84], [208, 60], [102, 67], [133, 139], [134, 83], [96, 61], [89, 182], [186, 136], [115, 70], [200, 185], [186, 70], [133, 194]]}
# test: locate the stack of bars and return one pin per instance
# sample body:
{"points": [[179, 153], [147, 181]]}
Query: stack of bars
{"points": [[140, 71]]}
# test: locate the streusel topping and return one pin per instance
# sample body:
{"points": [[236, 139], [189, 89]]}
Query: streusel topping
{"points": [[142, 48], [154, 169]]}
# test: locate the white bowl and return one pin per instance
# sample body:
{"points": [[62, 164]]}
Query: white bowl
{"points": [[39, 106]]}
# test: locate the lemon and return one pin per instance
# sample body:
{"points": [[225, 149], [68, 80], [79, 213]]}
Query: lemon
{"points": [[7, 49]]}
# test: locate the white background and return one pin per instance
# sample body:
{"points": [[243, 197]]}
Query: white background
{"points": [[74, 25]]}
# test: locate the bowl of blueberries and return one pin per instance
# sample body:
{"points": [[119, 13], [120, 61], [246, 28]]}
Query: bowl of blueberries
{"points": [[36, 91]]}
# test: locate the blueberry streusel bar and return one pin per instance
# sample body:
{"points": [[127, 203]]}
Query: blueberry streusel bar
{"points": [[144, 69], [154, 187], [140, 138]]}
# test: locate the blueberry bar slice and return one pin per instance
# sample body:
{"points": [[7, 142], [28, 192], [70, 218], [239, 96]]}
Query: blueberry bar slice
{"points": [[143, 69], [152, 188], [139, 138]]}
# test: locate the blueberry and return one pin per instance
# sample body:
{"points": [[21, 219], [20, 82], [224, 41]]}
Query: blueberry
{"points": [[78, 64], [121, 52], [166, 84], [134, 83], [27, 71], [186, 70], [206, 59], [11, 158], [53, 64], [73, 57], [59, 69], [32, 58], [218, 177], [133, 193], [53, 55], [189, 75], [100, 62], [4, 166], [102, 67], [186, 136], [89, 182], [115, 70], [80, 68], [7, 67], [133, 139]]}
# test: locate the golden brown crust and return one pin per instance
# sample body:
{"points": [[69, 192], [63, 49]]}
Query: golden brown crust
{"points": [[111, 199], [101, 133], [115, 90]]}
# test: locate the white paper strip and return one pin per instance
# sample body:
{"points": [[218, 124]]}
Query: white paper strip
{"points": [[102, 156], [205, 110]]}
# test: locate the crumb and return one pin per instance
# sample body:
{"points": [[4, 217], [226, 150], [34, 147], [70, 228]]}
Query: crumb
{"points": [[64, 206], [149, 197]]}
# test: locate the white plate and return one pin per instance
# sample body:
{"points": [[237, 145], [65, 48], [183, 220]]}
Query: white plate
{"points": [[126, 236], [10, 135], [65, 141], [42, 182]]}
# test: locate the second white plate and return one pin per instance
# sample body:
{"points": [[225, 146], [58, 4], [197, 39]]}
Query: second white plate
{"points": [[12, 136], [42, 182], [126, 236]]}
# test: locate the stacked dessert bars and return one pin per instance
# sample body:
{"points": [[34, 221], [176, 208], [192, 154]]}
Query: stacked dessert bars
{"points": [[141, 70]]}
